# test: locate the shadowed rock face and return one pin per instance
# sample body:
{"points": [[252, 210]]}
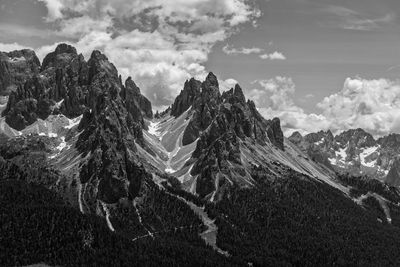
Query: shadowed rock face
{"points": [[137, 104], [15, 68], [205, 107], [108, 138], [185, 99], [393, 177], [63, 79], [62, 86], [221, 122], [111, 125]]}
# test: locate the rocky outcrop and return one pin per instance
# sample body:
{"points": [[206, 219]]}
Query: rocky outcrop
{"points": [[356, 138], [108, 138], [15, 68], [393, 176], [60, 87], [222, 122], [296, 138], [187, 96], [205, 107], [353, 151], [137, 104], [275, 134]]}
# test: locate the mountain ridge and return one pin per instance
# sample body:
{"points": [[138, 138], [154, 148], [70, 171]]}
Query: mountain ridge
{"points": [[354, 151]]}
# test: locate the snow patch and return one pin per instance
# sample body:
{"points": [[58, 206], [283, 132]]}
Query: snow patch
{"points": [[366, 153], [62, 145], [58, 104], [154, 129], [16, 59], [73, 122], [80, 197], [107, 211], [342, 154], [320, 142]]}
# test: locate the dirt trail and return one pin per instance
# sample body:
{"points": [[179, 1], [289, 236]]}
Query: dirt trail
{"points": [[209, 235]]}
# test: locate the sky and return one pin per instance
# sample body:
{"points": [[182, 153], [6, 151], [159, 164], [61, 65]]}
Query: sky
{"points": [[315, 64]]}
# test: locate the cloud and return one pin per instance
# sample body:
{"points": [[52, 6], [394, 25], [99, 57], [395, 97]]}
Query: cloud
{"points": [[274, 98], [11, 47], [373, 105], [159, 43], [346, 18], [273, 56], [245, 51], [54, 9], [227, 84], [227, 49]]}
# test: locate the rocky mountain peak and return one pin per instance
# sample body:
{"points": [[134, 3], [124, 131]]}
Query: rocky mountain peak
{"points": [[136, 104], [60, 57], [15, 68], [391, 141], [65, 48], [210, 90], [187, 96], [238, 92], [234, 95], [275, 134], [321, 136], [131, 85], [357, 137], [27, 54], [211, 80], [329, 135], [98, 63], [296, 138]]}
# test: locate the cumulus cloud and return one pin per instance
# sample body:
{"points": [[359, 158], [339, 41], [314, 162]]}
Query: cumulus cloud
{"points": [[159, 43], [274, 98], [227, 84], [273, 56], [373, 105]]}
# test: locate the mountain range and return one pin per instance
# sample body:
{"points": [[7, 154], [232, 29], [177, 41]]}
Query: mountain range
{"points": [[354, 151], [91, 177]]}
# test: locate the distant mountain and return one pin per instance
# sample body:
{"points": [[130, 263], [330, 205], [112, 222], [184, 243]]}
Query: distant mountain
{"points": [[90, 178], [354, 151], [15, 68]]}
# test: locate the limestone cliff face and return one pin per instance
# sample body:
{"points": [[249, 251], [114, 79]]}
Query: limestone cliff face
{"points": [[108, 137], [15, 68], [61, 85], [220, 122]]}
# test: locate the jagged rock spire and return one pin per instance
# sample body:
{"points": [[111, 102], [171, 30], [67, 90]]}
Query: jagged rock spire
{"points": [[211, 79], [185, 99], [238, 92]]}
